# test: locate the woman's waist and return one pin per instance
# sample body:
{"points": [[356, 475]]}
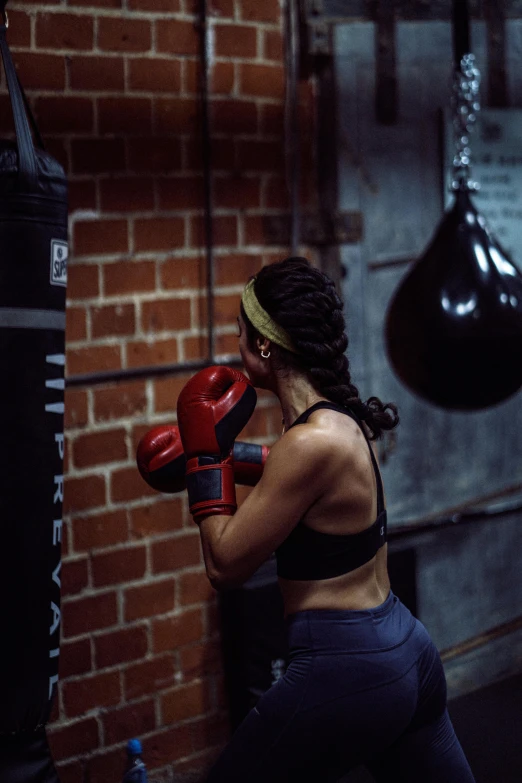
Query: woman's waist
{"points": [[333, 631], [364, 588]]}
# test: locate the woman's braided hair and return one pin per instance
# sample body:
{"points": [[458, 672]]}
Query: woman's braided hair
{"points": [[304, 302]]}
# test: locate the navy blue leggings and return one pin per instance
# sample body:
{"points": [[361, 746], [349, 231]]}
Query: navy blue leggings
{"points": [[362, 687]]}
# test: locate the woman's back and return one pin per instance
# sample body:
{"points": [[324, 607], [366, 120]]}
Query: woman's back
{"points": [[347, 505]]}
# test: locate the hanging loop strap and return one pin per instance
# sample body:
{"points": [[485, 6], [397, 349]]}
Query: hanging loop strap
{"points": [[5, 18], [24, 141]]}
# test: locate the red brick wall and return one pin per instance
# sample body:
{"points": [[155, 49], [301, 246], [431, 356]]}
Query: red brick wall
{"points": [[114, 87]]}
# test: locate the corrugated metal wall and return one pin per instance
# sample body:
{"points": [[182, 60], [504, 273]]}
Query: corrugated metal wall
{"points": [[468, 579]]}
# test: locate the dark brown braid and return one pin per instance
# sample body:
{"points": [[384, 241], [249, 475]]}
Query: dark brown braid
{"points": [[304, 302]]}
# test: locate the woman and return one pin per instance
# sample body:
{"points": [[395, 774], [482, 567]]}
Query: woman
{"points": [[365, 683]]}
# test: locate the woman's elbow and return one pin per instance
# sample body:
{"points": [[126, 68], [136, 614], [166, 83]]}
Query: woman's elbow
{"points": [[224, 578], [216, 580]]}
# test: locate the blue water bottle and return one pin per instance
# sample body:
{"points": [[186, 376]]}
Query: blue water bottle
{"points": [[136, 771]]}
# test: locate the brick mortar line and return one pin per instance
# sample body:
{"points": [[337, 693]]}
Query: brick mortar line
{"points": [[158, 417], [163, 294], [74, 472], [99, 215], [138, 420], [178, 533], [120, 745], [127, 505], [167, 214], [148, 580], [140, 543], [262, 25], [86, 95], [164, 419], [101, 259], [121, 625], [177, 612], [165, 334], [212, 711], [221, 176], [124, 666], [90, 305], [191, 253], [144, 501], [96, 12], [132, 217], [65, 722], [144, 54], [138, 581]]}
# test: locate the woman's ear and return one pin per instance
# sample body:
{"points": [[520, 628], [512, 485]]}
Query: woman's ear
{"points": [[263, 345]]}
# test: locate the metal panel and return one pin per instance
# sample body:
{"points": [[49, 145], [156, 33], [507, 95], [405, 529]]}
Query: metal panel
{"points": [[485, 665], [468, 580], [341, 11], [392, 174]]}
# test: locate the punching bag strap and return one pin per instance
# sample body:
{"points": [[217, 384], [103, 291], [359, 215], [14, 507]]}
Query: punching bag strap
{"points": [[26, 156], [34, 127]]}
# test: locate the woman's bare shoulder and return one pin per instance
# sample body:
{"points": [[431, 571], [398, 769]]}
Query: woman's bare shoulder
{"points": [[324, 436]]}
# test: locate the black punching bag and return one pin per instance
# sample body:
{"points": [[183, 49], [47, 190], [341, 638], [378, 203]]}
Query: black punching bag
{"points": [[33, 274], [454, 327]]}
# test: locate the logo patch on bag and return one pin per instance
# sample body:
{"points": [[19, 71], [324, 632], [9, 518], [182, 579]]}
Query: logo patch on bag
{"points": [[59, 255]]}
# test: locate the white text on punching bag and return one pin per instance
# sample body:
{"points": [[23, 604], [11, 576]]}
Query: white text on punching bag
{"points": [[58, 495], [58, 408]]}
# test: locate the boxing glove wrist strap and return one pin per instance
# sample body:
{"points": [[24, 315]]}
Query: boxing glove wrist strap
{"points": [[210, 486], [249, 462]]}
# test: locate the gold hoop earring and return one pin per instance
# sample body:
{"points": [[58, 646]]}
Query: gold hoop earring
{"points": [[265, 355]]}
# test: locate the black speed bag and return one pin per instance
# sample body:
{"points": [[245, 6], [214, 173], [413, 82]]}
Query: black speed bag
{"points": [[454, 326]]}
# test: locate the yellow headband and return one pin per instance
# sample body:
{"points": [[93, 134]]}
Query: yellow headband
{"points": [[261, 321]]}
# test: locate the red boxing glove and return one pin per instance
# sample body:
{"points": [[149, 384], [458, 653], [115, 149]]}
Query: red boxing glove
{"points": [[161, 460], [213, 408]]}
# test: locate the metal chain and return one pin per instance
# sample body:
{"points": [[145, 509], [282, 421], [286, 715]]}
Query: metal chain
{"points": [[465, 106]]}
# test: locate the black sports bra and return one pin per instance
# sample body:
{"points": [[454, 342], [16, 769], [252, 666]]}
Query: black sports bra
{"points": [[308, 554]]}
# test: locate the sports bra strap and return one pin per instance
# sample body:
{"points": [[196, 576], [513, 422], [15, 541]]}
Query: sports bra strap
{"points": [[326, 405]]}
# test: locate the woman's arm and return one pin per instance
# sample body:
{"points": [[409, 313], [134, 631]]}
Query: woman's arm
{"points": [[294, 478]]}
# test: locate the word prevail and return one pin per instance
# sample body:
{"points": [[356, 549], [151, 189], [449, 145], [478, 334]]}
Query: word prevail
{"points": [[56, 408]]}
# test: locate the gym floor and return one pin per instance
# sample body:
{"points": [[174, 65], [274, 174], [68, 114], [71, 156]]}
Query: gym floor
{"points": [[488, 723]]}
